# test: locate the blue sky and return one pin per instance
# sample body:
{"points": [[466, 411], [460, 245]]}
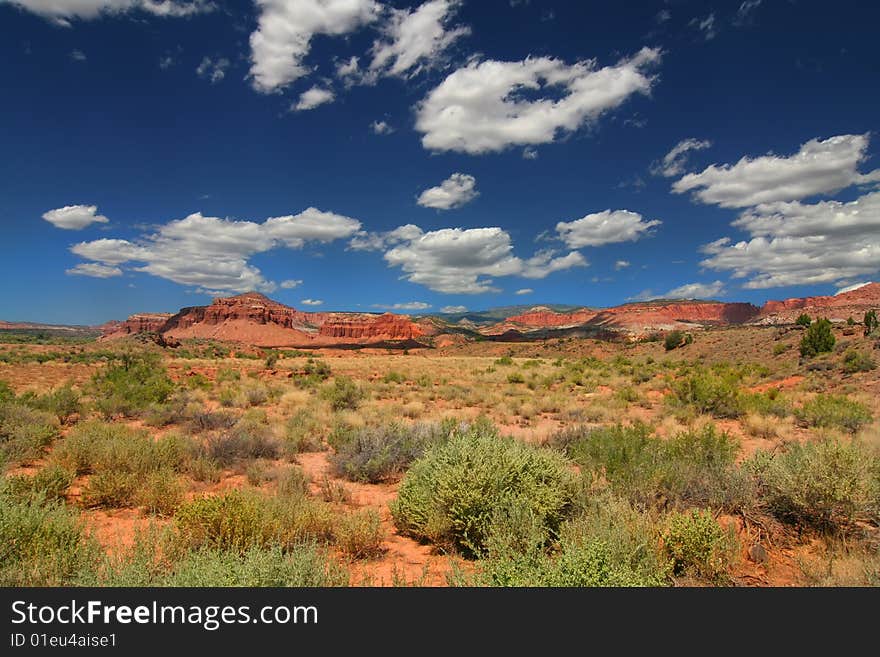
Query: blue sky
{"points": [[365, 155]]}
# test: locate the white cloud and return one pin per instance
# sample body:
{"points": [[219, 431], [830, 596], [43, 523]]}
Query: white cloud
{"points": [[606, 227], [706, 26], [621, 264], [62, 11], [697, 291], [454, 192], [524, 291], [284, 33], [745, 11], [481, 107], [409, 305], [675, 161], [212, 253], [313, 98], [312, 302], [850, 288], [78, 56], [94, 269], [464, 261], [75, 217], [530, 153], [290, 284], [381, 128], [213, 70], [453, 309], [819, 167], [802, 244], [416, 39]]}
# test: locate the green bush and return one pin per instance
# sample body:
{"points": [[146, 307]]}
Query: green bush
{"points": [[515, 377], [48, 483], [698, 545], [780, 348], [247, 440], [343, 394], [834, 411], [24, 432], [241, 520], [302, 433], [818, 339], [803, 320], [375, 454], [203, 468], [294, 482], [770, 402], [63, 403], [7, 394], [827, 483], [673, 340], [131, 386], [857, 361], [359, 534], [871, 323], [114, 489], [449, 495], [42, 544], [710, 392], [161, 492]]}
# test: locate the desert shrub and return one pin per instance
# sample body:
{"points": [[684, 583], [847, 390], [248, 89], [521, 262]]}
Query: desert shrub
{"points": [[826, 483], [203, 468], [504, 360], [246, 440], [857, 361], [306, 565], [803, 320], [111, 488], [272, 359], [160, 493], [673, 340], [450, 494], [49, 483], [818, 339], [515, 377], [393, 377], [256, 474], [611, 544], [834, 411], [202, 420], [42, 544], [302, 433], [780, 348], [131, 386], [7, 394], [24, 432], [770, 402], [698, 545], [334, 491], [692, 467], [871, 323], [63, 402], [715, 393], [241, 520], [359, 534], [294, 482], [254, 395], [343, 394], [375, 454]]}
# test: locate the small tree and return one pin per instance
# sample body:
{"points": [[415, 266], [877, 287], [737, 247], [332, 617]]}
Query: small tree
{"points": [[850, 321], [673, 340], [803, 320], [818, 339], [871, 323]]}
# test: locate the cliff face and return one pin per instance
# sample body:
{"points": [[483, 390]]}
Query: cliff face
{"points": [[840, 306], [384, 327], [140, 323], [544, 317], [251, 307]]}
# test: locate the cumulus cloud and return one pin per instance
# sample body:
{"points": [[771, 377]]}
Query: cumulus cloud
{"points": [[674, 162], [213, 70], [212, 253], [290, 284], [414, 39], [794, 243], [284, 34], [686, 291], [453, 309], [530, 153], [454, 192], [381, 128], [524, 291], [313, 98], [94, 269], [621, 264], [62, 11], [819, 167], [75, 217], [409, 305], [465, 261], [485, 106], [312, 302], [606, 227]]}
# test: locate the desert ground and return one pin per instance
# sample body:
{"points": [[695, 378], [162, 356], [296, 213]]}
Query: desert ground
{"points": [[730, 460]]}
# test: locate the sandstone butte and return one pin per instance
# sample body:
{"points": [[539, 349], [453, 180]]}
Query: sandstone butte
{"points": [[252, 318]]}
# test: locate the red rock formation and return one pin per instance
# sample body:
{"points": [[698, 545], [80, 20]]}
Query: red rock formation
{"points": [[544, 317], [251, 307], [381, 327], [139, 323], [839, 306]]}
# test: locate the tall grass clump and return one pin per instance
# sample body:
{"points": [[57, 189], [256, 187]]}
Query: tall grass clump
{"points": [[343, 394], [449, 495], [129, 386], [24, 432], [834, 411]]}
